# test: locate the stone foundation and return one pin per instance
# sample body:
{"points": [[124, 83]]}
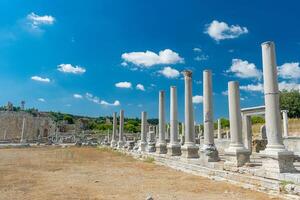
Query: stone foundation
{"points": [[189, 151]]}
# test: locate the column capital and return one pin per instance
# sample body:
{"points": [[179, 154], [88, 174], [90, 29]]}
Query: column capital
{"points": [[187, 73]]}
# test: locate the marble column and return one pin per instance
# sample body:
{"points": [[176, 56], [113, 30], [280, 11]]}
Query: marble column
{"points": [[237, 154], [285, 121], [161, 145], [113, 142], [23, 139], [168, 133], [174, 145], [151, 139], [247, 131], [189, 149], [208, 152], [143, 142], [219, 129], [278, 159], [121, 141]]}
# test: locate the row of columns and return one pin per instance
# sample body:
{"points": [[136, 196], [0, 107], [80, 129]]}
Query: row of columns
{"points": [[120, 143], [277, 157]]}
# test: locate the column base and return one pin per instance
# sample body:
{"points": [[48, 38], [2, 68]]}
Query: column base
{"points": [[237, 156], [174, 149], [113, 143], [209, 153], [161, 148], [151, 147], [189, 150], [278, 161], [121, 144], [142, 146]]}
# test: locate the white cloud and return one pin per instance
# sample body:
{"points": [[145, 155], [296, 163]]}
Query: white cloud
{"points": [[288, 86], [149, 58], [201, 57], [41, 100], [244, 69], [77, 96], [253, 88], [92, 98], [140, 87], [40, 79], [68, 68], [289, 70], [124, 64], [124, 84], [169, 72], [35, 21], [221, 30], [105, 103], [196, 49], [197, 99]]}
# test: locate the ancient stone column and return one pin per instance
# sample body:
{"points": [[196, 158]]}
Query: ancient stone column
{"points": [[219, 129], [174, 146], [161, 145], [151, 139], [208, 152], [143, 143], [285, 121], [168, 133], [278, 159], [113, 142], [121, 141], [23, 139], [189, 149], [237, 154]]}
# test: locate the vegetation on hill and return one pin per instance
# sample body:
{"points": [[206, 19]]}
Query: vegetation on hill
{"points": [[290, 100]]}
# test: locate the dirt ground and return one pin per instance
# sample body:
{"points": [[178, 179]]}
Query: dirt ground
{"points": [[90, 173]]}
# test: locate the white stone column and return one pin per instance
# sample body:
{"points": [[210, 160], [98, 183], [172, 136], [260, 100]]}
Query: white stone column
{"points": [[121, 142], [219, 129], [23, 139], [143, 143], [174, 146], [161, 145], [278, 159], [189, 149], [168, 133], [285, 121], [113, 142], [237, 154], [208, 152]]}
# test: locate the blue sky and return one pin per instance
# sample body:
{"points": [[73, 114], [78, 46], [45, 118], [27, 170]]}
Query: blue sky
{"points": [[95, 57]]}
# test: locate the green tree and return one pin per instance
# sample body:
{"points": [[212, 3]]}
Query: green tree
{"points": [[69, 119], [257, 120], [290, 100]]}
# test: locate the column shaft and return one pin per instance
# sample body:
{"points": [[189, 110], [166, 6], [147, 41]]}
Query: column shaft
{"points": [[272, 112], [208, 109]]}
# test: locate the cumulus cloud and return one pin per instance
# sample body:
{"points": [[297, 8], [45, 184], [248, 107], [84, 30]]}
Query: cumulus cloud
{"points": [[68, 68], [288, 86], [169, 72], [77, 96], [105, 103], [149, 58], [221, 30], [124, 84], [140, 87], [40, 79], [244, 69], [289, 70], [197, 99], [225, 93], [41, 100]]}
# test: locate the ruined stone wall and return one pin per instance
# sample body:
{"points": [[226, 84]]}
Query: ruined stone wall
{"points": [[11, 126]]}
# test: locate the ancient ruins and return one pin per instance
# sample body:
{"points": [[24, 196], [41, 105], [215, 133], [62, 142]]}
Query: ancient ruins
{"points": [[226, 155]]}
